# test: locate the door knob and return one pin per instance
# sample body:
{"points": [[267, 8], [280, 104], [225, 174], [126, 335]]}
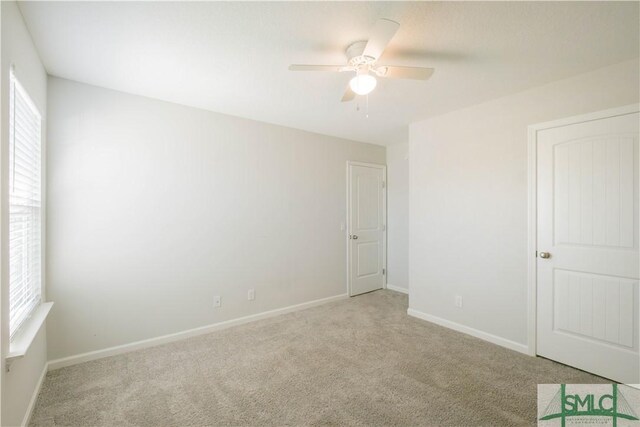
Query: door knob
{"points": [[545, 255], [354, 237]]}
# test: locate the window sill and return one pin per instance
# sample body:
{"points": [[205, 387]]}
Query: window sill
{"points": [[21, 342]]}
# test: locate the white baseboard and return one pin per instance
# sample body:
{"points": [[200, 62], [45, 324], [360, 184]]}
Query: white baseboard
{"points": [[494, 339], [34, 398], [398, 289], [151, 342]]}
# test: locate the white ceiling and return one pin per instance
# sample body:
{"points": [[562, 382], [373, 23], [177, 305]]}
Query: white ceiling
{"points": [[232, 57]]}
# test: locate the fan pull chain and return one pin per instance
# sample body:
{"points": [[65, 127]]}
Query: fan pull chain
{"points": [[367, 112]]}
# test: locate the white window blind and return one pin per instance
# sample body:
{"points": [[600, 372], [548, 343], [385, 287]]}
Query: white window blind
{"points": [[25, 203]]}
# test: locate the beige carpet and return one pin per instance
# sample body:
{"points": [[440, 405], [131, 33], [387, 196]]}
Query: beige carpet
{"points": [[360, 361]]}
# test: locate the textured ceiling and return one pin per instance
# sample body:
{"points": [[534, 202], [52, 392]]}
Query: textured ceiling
{"points": [[232, 57]]}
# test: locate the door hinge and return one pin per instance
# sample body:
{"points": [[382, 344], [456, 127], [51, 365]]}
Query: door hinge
{"points": [[383, 184], [384, 227], [384, 271]]}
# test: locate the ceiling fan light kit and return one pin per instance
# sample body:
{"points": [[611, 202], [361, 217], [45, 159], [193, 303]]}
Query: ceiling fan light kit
{"points": [[363, 83], [362, 58]]}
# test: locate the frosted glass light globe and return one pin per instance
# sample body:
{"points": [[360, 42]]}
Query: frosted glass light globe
{"points": [[362, 84]]}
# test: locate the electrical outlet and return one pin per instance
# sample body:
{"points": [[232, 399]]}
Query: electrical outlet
{"points": [[217, 301], [251, 295], [458, 301]]}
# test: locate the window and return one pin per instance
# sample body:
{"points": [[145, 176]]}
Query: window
{"points": [[25, 204]]}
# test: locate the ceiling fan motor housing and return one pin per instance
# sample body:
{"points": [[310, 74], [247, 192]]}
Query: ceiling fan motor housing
{"points": [[355, 56]]}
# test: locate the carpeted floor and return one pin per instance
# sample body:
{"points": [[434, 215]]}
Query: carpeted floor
{"points": [[360, 361]]}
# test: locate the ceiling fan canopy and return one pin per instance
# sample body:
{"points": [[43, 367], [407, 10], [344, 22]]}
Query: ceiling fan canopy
{"points": [[362, 60]]}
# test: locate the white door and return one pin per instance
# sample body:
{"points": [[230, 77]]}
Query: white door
{"points": [[588, 262], [366, 227]]}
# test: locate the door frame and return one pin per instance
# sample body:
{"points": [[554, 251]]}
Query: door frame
{"points": [[384, 220], [532, 235]]}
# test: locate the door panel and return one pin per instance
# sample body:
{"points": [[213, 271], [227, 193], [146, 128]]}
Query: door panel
{"points": [[588, 222], [366, 228], [368, 258], [368, 198], [595, 307], [594, 192]]}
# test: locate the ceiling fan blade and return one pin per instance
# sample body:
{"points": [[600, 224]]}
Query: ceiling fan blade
{"points": [[335, 68], [349, 95], [415, 73], [382, 33]]}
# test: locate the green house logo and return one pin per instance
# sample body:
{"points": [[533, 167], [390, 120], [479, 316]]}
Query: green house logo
{"points": [[613, 405]]}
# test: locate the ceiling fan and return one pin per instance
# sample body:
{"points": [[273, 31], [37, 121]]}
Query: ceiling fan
{"points": [[363, 57]]}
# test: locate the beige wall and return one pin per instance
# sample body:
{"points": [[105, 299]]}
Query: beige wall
{"points": [[155, 208], [468, 199], [20, 383], [398, 215]]}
